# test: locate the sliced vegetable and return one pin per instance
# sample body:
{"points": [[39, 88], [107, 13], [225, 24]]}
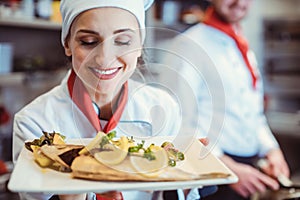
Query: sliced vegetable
{"points": [[111, 154], [40, 158], [93, 144], [173, 153], [46, 138], [107, 138], [150, 167]]}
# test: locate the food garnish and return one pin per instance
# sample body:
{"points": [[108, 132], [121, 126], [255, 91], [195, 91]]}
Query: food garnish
{"points": [[51, 151], [111, 154], [107, 158], [173, 153], [62, 156], [40, 158], [139, 150], [93, 144], [153, 165], [46, 138]]}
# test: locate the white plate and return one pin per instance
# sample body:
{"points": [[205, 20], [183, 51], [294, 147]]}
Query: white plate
{"points": [[27, 176]]}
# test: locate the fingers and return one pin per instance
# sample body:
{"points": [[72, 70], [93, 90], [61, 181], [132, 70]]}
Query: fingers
{"points": [[204, 141], [260, 187], [268, 181], [249, 189], [250, 186], [274, 167], [277, 163], [72, 197], [240, 190], [252, 180], [281, 168], [111, 195], [255, 185], [262, 181]]}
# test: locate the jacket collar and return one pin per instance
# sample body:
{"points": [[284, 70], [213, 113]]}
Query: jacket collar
{"points": [[212, 19], [83, 101]]}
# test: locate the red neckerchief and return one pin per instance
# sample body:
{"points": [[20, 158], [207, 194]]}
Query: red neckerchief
{"points": [[212, 19], [116, 195], [83, 101]]}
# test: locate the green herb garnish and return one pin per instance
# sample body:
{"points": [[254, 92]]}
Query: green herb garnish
{"points": [[46, 138], [172, 163], [111, 135], [148, 153], [137, 147], [107, 138], [174, 154]]}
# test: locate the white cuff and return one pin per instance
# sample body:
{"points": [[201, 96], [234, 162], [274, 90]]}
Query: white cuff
{"points": [[192, 195]]}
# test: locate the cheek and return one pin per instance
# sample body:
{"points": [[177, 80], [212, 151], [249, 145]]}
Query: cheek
{"points": [[131, 59], [79, 58]]}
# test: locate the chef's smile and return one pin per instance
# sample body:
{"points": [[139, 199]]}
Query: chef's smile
{"points": [[105, 51], [105, 74]]}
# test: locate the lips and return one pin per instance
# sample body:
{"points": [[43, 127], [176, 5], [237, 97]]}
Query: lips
{"points": [[106, 74]]}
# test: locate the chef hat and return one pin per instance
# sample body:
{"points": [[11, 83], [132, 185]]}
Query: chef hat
{"points": [[70, 9]]}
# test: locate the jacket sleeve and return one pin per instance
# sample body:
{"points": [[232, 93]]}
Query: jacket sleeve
{"points": [[23, 129], [266, 138]]}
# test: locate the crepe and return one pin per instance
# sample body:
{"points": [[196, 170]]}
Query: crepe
{"points": [[66, 158], [62, 154], [86, 167]]}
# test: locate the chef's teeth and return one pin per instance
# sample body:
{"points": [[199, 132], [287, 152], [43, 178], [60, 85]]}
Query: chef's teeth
{"points": [[105, 72]]}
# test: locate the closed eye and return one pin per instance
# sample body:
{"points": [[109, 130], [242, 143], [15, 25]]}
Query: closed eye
{"points": [[121, 43], [89, 43]]}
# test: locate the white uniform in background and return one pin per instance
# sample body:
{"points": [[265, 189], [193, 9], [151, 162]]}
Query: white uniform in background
{"points": [[245, 131]]}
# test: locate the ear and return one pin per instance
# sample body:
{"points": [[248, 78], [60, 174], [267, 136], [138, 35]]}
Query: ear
{"points": [[68, 51]]}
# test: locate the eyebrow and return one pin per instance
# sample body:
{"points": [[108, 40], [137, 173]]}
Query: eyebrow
{"points": [[122, 30], [115, 32], [87, 31]]}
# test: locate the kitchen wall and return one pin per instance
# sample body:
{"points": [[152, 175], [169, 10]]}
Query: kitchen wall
{"points": [[253, 27], [282, 51], [35, 46], [18, 90]]}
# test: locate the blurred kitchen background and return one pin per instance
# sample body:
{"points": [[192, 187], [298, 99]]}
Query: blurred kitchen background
{"points": [[32, 58]]}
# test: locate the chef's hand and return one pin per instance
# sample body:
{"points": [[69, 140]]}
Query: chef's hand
{"points": [[115, 195], [204, 141], [276, 164], [73, 197], [250, 180]]}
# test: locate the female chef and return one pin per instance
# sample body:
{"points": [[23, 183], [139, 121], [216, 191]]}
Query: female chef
{"points": [[103, 40]]}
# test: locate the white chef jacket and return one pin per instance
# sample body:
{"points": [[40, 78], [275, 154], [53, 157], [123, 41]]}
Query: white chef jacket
{"points": [[55, 111], [216, 72]]}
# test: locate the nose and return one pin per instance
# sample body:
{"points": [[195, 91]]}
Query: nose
{"points": [[104, 54]]}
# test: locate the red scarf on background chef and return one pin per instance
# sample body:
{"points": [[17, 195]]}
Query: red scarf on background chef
{"points": [[84, 102], [212, 19]]}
